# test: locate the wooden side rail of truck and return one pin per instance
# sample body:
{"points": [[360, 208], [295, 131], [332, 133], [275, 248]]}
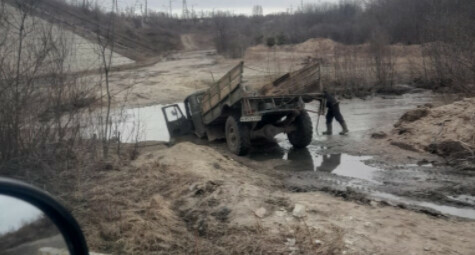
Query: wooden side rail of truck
{"points": [[226, 110]]}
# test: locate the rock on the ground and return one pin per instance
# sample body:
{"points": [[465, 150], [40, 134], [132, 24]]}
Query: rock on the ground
{"points": [[280, 213], [290, 242], [413, 115], [299, 211], [404, 146], [448, 148], [261, 212], [379, 135]]}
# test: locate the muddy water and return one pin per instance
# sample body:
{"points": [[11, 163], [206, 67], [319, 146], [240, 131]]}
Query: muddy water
{"points": [[412, 185], [321, 167]]}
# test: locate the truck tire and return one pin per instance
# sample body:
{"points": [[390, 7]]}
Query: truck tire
{"points": [[302, 136], [238, 136]]}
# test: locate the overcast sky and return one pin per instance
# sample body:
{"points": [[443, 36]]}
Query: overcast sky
{"points": [[237, 6]]}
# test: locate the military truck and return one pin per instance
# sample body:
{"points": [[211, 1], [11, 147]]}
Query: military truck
{"points": [[228, 111]]}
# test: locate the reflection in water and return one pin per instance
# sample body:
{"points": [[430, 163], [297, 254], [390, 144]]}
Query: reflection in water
{"points": [[263, 150], [336, 164], [24, 229], [318, 169], [300, 159], [351, 166], [330, 163]]}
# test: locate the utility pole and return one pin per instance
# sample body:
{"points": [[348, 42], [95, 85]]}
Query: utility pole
{"points": [[115, 5], [185, 10], [146, 8], [171, 8]]}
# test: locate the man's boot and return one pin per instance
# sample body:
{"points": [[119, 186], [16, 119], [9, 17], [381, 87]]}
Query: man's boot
{"points": [[345, 129], [329, 129]]}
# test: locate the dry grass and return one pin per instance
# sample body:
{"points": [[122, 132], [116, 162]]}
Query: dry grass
{"points": [[154, 207], [344, 67]]}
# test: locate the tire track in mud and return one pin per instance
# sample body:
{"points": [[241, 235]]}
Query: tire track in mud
{"points": [[413, 187], [425, 190]]}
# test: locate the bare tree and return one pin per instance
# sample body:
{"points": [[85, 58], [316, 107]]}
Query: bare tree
{"points": [[451, 50], [257, 10], [349, 69], [40, 100], [106, 43], [382, 59]]}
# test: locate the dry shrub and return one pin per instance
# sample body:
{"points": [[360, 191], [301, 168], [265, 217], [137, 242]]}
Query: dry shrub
{"points": [[259, 240], [382, 59], [348, 69], [126, 214], [41, 102]]}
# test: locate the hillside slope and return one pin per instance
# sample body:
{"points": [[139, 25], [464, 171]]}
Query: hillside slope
{"points": [[134, 38], [76, 53]]}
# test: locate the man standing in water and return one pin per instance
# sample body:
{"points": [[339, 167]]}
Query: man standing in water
{"points": [[334, 112]]}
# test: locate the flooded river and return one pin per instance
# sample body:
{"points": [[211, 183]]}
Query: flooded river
{"points": [[439, 189]]}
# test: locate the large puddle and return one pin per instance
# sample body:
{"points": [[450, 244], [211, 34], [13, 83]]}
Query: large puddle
{"points": [[425, 186], [148, 122], [311, 169], [342, 171], [141, 124], [316, 169]]}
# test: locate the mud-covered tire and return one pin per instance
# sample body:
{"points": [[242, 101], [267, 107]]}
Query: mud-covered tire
{"points": [[238, 136], [301, 137]]}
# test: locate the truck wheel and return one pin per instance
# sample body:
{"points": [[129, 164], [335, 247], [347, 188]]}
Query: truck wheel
{"points": [[302, 136], [238, 136]]}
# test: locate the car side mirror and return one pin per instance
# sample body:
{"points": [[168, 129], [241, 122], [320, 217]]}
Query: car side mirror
{"points": [[33, 222]]}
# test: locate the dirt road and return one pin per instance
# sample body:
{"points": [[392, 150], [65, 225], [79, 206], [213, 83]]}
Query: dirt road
{"points": [[169, 80], [179, 74]]}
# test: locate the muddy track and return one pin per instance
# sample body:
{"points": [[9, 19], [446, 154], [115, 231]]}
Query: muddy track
{"points": [[427, 189]]}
